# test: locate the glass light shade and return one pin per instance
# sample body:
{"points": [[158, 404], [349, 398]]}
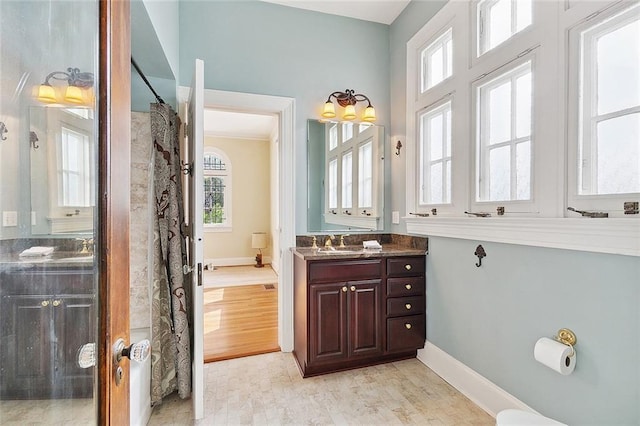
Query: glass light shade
{"points": [[369, 114], [73, 94], [259, 240], [46, 93], [349, 112], [329, 110]]}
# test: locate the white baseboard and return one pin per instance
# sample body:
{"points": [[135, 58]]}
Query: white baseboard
{"points": [[236, 261], [484, 393]]}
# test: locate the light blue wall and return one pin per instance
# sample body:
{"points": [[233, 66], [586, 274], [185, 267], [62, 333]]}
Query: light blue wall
{"points": [[489, 318], [262, 48]]}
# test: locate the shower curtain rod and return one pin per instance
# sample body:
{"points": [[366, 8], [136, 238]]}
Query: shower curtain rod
{"points": [[144, 78]]}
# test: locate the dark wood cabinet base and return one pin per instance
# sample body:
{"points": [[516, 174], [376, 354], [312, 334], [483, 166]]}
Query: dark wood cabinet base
{"points": [[316, 370]]}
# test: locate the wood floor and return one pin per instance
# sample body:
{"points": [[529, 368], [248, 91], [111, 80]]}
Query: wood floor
{"points": [[240, 321]]}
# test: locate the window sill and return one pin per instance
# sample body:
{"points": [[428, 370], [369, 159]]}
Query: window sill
{"points": [[217, 228], [367, 222], [615, 236]]}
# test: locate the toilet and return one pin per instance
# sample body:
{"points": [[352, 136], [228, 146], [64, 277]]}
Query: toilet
{"points": [[523, 418]]}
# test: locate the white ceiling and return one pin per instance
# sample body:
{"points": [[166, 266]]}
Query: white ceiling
{"points": [[382, 11], [238, 124]]}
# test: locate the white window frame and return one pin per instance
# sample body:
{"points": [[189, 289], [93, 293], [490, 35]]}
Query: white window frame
{"points": [[424, 150], [483, 147], [583, 116], [439, 43], [542, 223], [227, 225], [482, 29]]}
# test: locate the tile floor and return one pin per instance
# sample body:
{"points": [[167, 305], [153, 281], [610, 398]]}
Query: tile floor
{"points": [[268, 390]]}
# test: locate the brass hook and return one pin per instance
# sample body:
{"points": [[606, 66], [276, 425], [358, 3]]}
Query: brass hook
{"points": [[3, 130]]}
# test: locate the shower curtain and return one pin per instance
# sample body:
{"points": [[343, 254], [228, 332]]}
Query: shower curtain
{"points": [[170, 302]]}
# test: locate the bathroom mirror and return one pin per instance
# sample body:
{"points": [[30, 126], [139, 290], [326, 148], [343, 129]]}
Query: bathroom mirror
{"points": [[62, 154], [345, 169]]}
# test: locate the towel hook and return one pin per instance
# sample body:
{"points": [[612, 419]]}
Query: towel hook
{"points": [[3, 130], [480, 253]]}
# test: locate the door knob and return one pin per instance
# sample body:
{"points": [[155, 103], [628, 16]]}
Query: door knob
{"points": [[138, 352]]}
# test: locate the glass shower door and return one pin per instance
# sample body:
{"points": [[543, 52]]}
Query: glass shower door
{"points": [[48, 182]]}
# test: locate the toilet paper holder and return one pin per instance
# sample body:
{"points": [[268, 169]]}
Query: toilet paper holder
{"points": [[567, 337]]}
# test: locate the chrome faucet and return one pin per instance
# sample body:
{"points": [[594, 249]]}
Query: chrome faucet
{"points": [[327, 242]]}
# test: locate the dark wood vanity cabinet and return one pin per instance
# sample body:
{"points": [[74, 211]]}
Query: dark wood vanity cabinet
{"points": [[347, 315], [47, 315]]}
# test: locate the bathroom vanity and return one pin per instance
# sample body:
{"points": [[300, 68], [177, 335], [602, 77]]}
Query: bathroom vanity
{"points": [[354, 308], [47, 314]]}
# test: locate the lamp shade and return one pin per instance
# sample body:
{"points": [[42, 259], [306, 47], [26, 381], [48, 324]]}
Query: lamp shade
{"points": [[349, 112], [259, 240], [46, 93], [329, 110], [73, 94], [369, 114]]}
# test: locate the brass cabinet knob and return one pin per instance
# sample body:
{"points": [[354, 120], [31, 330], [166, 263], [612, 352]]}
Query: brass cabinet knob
{"points": [[344, 289], [408, 326], [407, 267], [353, 288], [408, 306], [57, 302], [44, 303], [408, 286]]}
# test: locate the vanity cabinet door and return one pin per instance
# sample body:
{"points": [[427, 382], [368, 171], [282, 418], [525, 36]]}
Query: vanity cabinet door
{"points": [[365, 334], [73, 319], [26, 347], [328, 322]]}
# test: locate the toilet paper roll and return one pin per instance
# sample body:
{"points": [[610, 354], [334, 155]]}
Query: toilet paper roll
{"points": [[555, 355]]}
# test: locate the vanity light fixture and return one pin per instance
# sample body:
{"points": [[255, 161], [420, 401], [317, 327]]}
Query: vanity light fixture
{"points": [[79, 90], [348, 100]]}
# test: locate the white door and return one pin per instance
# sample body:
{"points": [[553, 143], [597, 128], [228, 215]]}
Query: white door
{"points": [[195, 204]]}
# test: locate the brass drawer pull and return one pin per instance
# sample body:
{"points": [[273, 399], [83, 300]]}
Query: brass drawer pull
{"points": [[44, 303], [353, 288], [408, 326], [344, 289], [57, 302], [407, 267], [408, 286], [408, 306]]}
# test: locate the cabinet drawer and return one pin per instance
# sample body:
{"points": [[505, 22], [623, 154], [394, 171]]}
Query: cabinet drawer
{"points": [[347, 270], [406, 333], [405, 286], [405, 266], [405, 306]]}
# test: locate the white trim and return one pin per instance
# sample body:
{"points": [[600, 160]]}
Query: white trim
{"points": [[235, 261], [484, 393], [611, 235], [285, 109]]}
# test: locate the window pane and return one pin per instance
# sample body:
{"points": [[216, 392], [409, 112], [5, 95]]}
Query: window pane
{"points": [[347, 131], [436, 184], [435, 70], [435, 137], [448, 182], [447, 128], [333, 184], [347, 180], [500, 174], [499, 23], [523, 171], [500, 113], [365, 175], [523, 106], [449, 55], [214, 200], [618, 155], [618, 54], [523, 14], [333, 137]]}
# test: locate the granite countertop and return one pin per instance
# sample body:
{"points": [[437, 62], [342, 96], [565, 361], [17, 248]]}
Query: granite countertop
{"points": [[56, 259], [355, 252]]}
